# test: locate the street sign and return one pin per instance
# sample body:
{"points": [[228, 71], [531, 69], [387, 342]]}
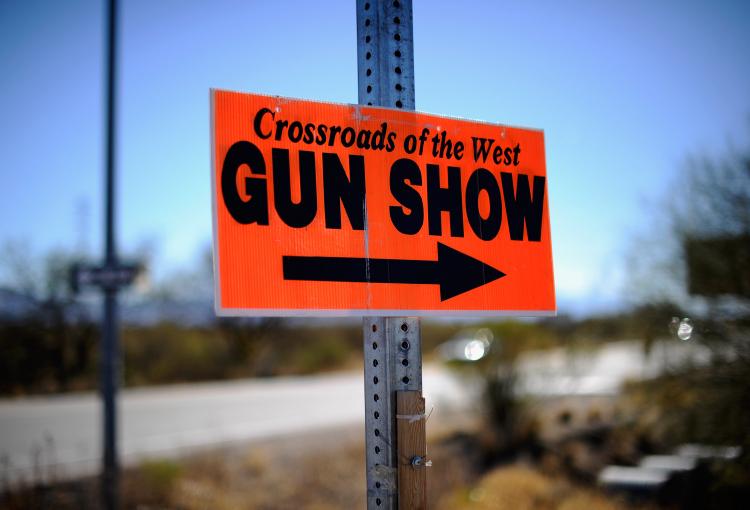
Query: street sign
{"points": [[103, 276], [330, 209], [718, 266]]}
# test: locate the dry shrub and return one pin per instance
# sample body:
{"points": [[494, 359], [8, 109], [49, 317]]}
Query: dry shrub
{"points": [[522, 488]]}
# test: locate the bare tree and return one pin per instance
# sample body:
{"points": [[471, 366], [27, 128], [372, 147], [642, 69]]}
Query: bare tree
{"points": [[51, 341], [696, 254]]}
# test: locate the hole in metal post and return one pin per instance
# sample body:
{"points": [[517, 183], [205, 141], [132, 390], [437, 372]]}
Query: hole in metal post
{"points": [[374, 345], [368, 39], [376, 397], [405, 345], [397, 69], [377, 415], [377, 432], [405, 380], [399, 104], [375, 380], [377, 485], [369, 89], [404, 326], [397, 54], [374, 362], [397, 20], [377, 449], [405, 362], [397, 37], [367, 22], [399, 87], [368, 56], [368, 73], [377, 501], [369, 103], [396, 3], [367, 6]]}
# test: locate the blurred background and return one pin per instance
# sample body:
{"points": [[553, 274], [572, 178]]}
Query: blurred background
{"points": [[637, 395]]}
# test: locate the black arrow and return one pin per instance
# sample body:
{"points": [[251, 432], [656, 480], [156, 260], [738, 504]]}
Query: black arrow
{"points": [[454, 271]]}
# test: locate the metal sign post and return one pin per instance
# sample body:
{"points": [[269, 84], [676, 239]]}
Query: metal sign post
{"points": [[392, 345], [393, 363], [109, 365], [109, 276]]}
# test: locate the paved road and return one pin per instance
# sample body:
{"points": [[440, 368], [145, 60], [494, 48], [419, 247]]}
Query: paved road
{"points": [[59, 437]]}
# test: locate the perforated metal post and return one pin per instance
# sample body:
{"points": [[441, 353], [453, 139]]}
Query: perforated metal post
{"points": [[392, 350], [385, 53], [393, 362]]}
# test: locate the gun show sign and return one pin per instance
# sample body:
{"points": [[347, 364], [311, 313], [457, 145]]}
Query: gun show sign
{"points": [[330, 209]]}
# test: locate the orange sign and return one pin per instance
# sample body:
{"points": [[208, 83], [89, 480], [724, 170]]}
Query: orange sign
{"points": [[330, 209]]}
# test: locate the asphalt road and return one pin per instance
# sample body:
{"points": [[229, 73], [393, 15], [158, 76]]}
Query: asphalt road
{"points": [[52, 438]]}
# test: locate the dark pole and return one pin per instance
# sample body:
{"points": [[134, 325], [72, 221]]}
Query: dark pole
{"points": [[109, 247], [109, 352]]}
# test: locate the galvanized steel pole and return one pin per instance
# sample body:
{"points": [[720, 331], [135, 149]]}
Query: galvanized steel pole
{"points": [[392, 345]]}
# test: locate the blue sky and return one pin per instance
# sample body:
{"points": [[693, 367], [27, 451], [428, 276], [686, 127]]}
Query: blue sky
{"points": [[625, 92]]}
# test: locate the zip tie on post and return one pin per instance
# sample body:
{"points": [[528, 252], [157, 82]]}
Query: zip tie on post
{"points": [[411, 417], [415, 417]]}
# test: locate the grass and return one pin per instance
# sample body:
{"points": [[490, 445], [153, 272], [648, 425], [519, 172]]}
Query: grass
{"points": [[518, 487], [322, 471]]}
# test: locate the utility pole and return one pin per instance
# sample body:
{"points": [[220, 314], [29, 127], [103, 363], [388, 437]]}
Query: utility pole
{"points": [[110, 352], [392, 345], [110, 277]]}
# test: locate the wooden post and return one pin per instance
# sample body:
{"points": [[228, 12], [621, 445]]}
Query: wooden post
{"points": [[412, 451]]}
